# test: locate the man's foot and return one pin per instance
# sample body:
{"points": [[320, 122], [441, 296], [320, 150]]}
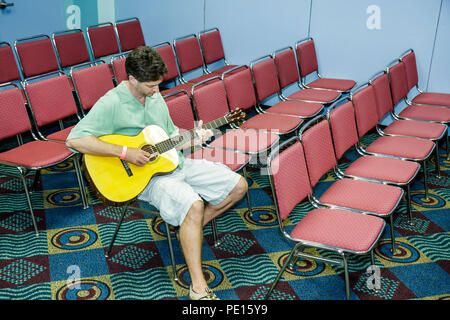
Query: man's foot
{"points": [[205, 295]]}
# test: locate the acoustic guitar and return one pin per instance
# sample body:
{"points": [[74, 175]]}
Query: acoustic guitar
{"points": [[118, 181]]}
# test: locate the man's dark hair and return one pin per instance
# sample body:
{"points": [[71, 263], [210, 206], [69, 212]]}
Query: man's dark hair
{"points": [[145, 64]]}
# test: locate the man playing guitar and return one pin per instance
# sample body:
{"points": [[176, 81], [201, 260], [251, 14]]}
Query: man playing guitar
{"points": [[195, 192]]}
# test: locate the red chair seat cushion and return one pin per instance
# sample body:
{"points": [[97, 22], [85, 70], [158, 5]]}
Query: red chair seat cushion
{"points": [[36, 154], [233, 160], [218, 72], [363, 195], [338, 228], [250, 141], [183, 86], [60, 135], [419, 129], [384, 169], [435, 98], [333, 84], [426, 113], [324, 96], [272, 122], [201, 78], [296, 108], [404, 147]]}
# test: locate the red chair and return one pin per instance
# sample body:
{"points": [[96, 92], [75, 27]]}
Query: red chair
{"points": [[343, 232], [118, 67], [399, 87], [255, 135], [348, 194], [30, 156], [36, 55], [308, 65], [181, 112], [190, 60], [266, 83], [171, 80], [51, 101], [130, 33], [421, 98], [212, 51], [71, 47], [289, 80], [8, 65], [91, 81], [103, 40], [406, 148], [433, 131], [341, 118]]}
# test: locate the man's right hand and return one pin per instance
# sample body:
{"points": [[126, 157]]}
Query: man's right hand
{"points": [[137, 156]]}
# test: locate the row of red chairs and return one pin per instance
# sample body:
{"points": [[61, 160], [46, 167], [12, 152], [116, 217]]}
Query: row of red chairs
{"points": [[370, 185]]}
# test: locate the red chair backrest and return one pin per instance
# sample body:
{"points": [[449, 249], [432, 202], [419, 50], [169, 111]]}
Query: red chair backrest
{"points": [[13, 114], [8, 66], [92, 83], [210, 100], [166, 53], [411, 69], [130, 34], [382, 94], [398, 82], [51, 99], [266, 79], [287, 67], [307, 58], [319, 152], [189, 54], [118, 66], [71, 48], [37, 57], [290, 178], [366, 112], [103, 40], [180, 110], [343, 128], [239, 88], [211, 43]]}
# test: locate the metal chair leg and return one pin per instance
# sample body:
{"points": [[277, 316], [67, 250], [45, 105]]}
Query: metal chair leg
{"points": [[438, 166], [215, 233], [249, 202], [425, 179], [27, 195], [393, 249], [122, 215], [172, 256], [274, 283], [408, 201], [79, 174], [346, 276]]}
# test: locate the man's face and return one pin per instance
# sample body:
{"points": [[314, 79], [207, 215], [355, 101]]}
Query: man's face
{"points": [[146, 89]]}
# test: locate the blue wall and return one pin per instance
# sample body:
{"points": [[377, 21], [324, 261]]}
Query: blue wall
{"points": [[346, 46]]}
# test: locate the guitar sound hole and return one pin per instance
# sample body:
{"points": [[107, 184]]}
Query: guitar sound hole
{"points": [[152, 150]]}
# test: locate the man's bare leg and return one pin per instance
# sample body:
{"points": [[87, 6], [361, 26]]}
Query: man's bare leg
{"points": [[212, 211]]}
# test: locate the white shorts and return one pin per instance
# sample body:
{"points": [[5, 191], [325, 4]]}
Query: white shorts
{"points": [[173, 194]]}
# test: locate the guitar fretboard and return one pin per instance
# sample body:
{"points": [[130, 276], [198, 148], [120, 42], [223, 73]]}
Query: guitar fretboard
{"points": [[178, 140]]}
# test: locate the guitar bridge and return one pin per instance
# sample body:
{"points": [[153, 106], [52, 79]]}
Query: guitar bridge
{"points": [[127, 168]]}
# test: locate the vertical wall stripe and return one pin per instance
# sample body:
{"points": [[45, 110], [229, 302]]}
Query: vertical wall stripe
{"points": [[106, 11], [204, 14], [310, 15], [434, 46]]}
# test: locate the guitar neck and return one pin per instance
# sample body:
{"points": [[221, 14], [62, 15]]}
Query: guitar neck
{"points": [[178, 140]]}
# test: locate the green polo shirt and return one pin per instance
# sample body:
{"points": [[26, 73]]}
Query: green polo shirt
{"points": [[119, 112]]}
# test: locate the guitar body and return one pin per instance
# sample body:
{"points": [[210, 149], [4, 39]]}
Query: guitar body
{"points": [[109, 175]]}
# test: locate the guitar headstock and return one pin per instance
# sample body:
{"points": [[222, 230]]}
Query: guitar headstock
{"points": [[235, 115]]}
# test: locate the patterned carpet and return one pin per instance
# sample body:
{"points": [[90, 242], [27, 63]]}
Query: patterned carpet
{"points": [[72, 243]]}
